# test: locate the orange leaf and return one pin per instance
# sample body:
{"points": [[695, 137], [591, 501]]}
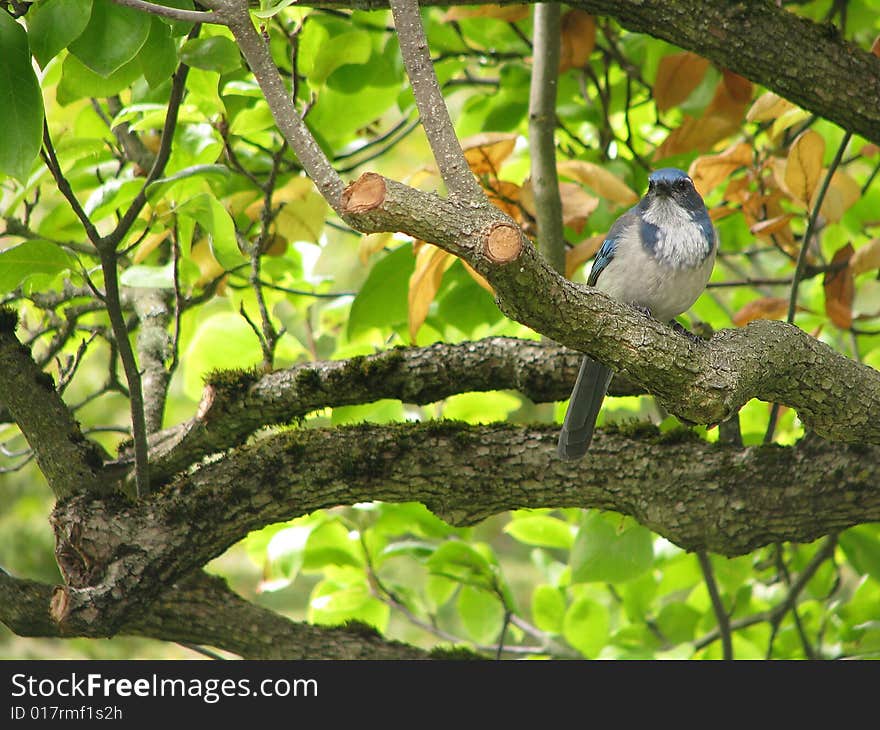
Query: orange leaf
{"points": [[583, 252], [768, 106], [840, 288], [803, 167], [709, 171], [424, 282], [678, 74], [866, 258], [486, 151], [737, 87], [605, 184], [510, 13], [578, 30], [875, 46], [505, 195], [763, 308], [771, 226], [576, 205]]}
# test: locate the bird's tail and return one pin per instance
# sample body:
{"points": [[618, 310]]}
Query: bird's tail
{"points": [[583, 409]]}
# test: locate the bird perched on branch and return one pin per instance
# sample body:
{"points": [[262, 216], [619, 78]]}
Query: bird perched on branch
{"points": [[658, 257]]}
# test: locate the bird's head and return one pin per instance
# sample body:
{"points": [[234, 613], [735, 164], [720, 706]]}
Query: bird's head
{"points": [[676, 185]]}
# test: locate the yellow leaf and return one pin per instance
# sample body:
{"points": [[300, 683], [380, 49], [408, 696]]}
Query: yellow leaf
{"points": [[768, 106], [866, 258], [371, 244], [678, 74], [605, 184], [843, 192], [578, 39], [763, 308], [424, 282], [788, 119], [510, 13], [576, 256], [477, 277], [486, 151], [149, 244], [840, 288], [803, 167], [209, 267], [709, 171]]}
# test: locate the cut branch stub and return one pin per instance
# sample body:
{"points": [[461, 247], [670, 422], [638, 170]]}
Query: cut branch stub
{"points": [[503, 243], [364, 194]]}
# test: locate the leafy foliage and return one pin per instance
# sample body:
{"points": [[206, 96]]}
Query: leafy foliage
{"points": [[255, 269]]}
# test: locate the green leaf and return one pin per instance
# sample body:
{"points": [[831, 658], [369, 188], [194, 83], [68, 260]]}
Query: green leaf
{"points": [[382, 411], [17, 263], [382, 300], [222, 341], [158, 277], [79, 82], [418, 549], [585, 626], [459, 561], [438, 590], [483, 407], [112, 38], [21, 103], [861, 546], [334, 603], [603, 553], [541, 530], [677, 622], [481, 614], [162, 185], [217, 53], [214, 218], [548, 608], [328, 58], [331, 544], [158, 57], [53, 24], [112, 195], [287, 547]]}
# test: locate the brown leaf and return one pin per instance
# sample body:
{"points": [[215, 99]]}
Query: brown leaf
{"points": [[763, 308], [875, 46], [771, 226], [486, 151], [576, 205], [604, 183], [576, 256], [842, 193], [768, 106], [505, 195], [510, 13], [722, 117], [424, 282], [840, 288], [709, 171], [678, 74], [803, 167], [275, 246], [578, 30], [866, 258]]}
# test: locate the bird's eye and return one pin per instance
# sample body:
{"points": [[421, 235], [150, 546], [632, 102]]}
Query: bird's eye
{"points": [[681, 184]]}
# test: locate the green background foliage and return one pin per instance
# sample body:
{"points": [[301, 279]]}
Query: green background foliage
{"points": [[551, 582]]}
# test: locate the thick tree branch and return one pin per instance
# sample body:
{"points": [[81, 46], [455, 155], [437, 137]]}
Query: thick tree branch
{"points": [[700, 383], [117, 558], [235, 405], [803, 61], [67, 459], [202, 609]]}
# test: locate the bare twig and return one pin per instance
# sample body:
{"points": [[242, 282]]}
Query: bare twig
{"points": [[717, 604]]}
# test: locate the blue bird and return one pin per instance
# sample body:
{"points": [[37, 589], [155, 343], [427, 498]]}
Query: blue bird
{"points": [[658, 257]]}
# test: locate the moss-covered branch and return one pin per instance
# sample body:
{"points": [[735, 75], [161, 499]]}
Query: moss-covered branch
{"points": [[118, 558]]}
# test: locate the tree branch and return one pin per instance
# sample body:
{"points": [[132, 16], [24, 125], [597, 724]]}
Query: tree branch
{"points": [[117, 558], [67, 459], [804, 61], [202, 609], [542, 128], [699, 382], [454, 170]]}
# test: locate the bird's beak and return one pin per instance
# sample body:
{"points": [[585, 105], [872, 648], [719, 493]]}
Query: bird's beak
{"points": [[662, 189]]}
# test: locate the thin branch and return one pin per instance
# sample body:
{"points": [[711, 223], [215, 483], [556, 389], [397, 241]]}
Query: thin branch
{"points": [[191, 16], [460, 181], [542, 123], [717, 604]]}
